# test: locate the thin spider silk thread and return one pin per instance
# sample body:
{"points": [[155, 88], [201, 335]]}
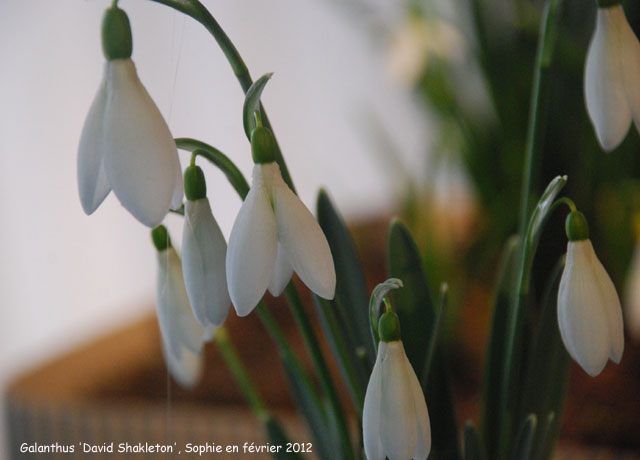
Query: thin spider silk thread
{"points": [[169, 425]]}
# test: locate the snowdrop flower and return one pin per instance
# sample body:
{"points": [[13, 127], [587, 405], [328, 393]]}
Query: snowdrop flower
{"points": [[395, 419], [183, 337], [187, 368], [204, 251], [274, 235], [589, 313], [125, 143], [632, 296], [612, 76]]}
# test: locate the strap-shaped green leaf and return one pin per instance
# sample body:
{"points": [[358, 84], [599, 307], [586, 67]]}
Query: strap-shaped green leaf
{"points": [[491, 414], [414, 306], [473, 448], [524, 442], [302, 389], [548, 368], [512, 380], [278, 437], [413, 303], [351, 289], [252, 103], [345, 353]]}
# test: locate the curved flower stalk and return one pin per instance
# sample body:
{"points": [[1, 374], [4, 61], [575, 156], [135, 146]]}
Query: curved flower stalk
{"points": [[274, 235], [612, 77], [126, 144], [589, 313], [395, 420], [183, 337], [204, 252]]}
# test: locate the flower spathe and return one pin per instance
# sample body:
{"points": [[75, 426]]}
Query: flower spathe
{"points": [[126, 146], [589, 313], [274, 235], [612, 77], [204, 252], [183, 337], [395, 419]]}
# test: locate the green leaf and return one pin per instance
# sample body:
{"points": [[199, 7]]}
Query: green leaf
{"points": [[546, 439], [435, 332], [548, 365], [417, 315], [278, 437], [302, 389], [413, 304], [473, 448], [345, 353], [439, 397], [517, 333], [218, 159], [252, 103], [352, 296], [524, 442], [491, 415]]}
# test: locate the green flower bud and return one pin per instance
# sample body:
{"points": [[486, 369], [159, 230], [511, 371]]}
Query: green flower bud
{"points": [[160, 237], [116, 34], [263, 146], [576, 226], [195, 186], [389, 327]]}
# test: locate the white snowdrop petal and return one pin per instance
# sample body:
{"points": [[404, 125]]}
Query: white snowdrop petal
{"points": [[177, 324], [629, 59], [304, 242], [423, 424], [93, 185], [371, 412], [612, 307], [282, 272], [185, 368], [398, 429], [178, 190], [604, 84], [252, 251], [632, 297], [140, 154], [204, 253], [582, 319]]}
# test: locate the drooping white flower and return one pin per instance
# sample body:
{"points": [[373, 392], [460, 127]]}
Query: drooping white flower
{"points": [[632, 297], [187, 368], [589, 313], [612, 77], [204, 252], [126, 144], [182, 336], [395, 419], [274, 235]]}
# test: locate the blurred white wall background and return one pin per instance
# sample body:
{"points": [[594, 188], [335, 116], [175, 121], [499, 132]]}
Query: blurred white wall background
{"points": [[65, 277]]}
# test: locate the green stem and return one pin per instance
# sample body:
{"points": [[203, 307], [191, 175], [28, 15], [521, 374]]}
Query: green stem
{"points": [[508, 403], [219, 159], [199, 12], [313, 346], [240, 373], [537, 111]]}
